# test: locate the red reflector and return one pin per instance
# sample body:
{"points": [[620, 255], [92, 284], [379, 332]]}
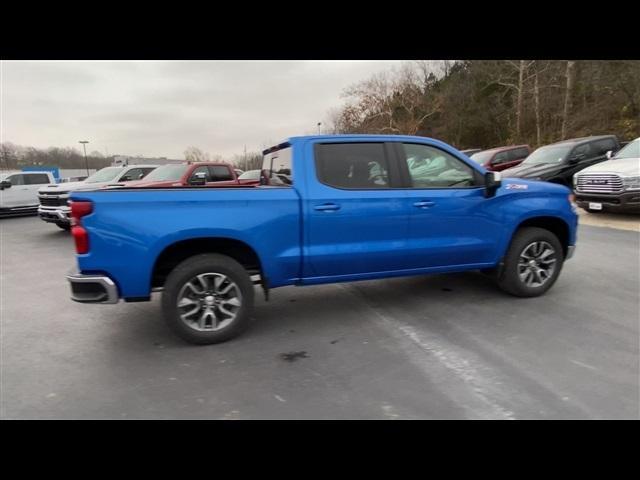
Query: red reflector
{"points": [[79, 210], [81, 238]]}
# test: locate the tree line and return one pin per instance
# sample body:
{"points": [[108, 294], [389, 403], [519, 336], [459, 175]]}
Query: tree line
{"points": [[487, 103], [468, 104], [16, 156]]}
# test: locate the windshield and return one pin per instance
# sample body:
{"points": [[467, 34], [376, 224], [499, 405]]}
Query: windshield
{"points": [[167, 173], [250, 175], [104, 175], [482, 157], [632, 150], [548, 154]]}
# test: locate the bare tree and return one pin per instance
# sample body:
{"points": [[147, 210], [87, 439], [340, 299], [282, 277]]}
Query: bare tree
{"points": [[570, 75], [194, 154]]}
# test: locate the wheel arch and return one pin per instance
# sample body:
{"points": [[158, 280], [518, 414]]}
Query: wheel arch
{"points": [[557, 226], [179, 251]]}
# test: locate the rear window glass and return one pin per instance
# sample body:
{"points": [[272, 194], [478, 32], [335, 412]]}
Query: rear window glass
{"points": [[277, 167], [36, 179], [220, 173]]}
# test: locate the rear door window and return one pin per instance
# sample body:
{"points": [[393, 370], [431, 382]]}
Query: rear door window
{"points": [[601, 147], [352, 165], [518, 154], [219, 173], [36, 179], [277, 166]]}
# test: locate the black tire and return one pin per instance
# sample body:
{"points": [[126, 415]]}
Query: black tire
{"points": [[186, 271], [64, 226], [509, 279]]}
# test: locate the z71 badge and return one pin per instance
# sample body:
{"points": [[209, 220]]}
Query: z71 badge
{"points": [[516, 186]]}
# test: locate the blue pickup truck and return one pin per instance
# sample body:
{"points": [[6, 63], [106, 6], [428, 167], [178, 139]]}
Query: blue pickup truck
{"points": [[332, 208]]}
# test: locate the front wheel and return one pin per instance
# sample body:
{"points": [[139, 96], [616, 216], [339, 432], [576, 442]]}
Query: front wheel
{"points": [[64, 226], [208, 299], [532, 264]]}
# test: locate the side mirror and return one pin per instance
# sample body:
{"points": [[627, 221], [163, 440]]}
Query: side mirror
{"points": [[492, 181], [199, 178], [5, 184], [609, 154]]}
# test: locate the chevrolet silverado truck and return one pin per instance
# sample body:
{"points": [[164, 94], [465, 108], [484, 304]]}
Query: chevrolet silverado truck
{"points": [[54, 207], [357, 207], [613, 185]]}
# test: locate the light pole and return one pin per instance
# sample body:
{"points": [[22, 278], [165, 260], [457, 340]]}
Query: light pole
{"points": [[86, 162], [319, 123]]}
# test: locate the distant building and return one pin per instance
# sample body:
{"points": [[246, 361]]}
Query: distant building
{"points": [[127, 160]]}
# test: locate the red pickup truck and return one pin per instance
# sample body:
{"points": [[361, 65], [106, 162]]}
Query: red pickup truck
{"points": [[501, 158], [211, 174]]}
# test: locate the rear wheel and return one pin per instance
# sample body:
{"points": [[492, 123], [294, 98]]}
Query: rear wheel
{"points": [[208, 299], [532, 264]]}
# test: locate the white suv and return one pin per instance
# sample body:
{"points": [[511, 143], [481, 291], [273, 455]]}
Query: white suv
{"points": [[53, 198]]}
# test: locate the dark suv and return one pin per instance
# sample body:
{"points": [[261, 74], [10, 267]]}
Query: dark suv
{"points": [[558, 162]]}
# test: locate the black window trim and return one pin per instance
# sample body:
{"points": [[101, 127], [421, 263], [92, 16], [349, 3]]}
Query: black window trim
{"points": [[478, 178], [390, 157]]}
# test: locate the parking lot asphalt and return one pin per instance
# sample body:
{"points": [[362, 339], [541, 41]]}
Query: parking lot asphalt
{"points": [[430, 347]]}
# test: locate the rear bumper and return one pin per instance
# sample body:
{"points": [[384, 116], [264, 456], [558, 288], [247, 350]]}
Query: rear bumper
{"points": [[55, 215], [627, 201], [92, 288]]}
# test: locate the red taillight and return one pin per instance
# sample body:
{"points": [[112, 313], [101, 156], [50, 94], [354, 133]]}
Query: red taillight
{"points": [[79, 210], [80, 235], [81, 238]]}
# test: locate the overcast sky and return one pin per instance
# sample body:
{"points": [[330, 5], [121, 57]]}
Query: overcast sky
{"points": [[159, 108]]}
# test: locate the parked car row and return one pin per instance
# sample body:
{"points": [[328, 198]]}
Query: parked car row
{"points": [[602, 179], [38, 192]]}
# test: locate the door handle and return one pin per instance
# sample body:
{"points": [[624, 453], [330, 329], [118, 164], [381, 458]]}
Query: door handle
{"points": [[327, 207], [424, 204]]}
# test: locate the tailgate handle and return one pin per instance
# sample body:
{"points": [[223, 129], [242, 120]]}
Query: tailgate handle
{"points": [[327, 207]]}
